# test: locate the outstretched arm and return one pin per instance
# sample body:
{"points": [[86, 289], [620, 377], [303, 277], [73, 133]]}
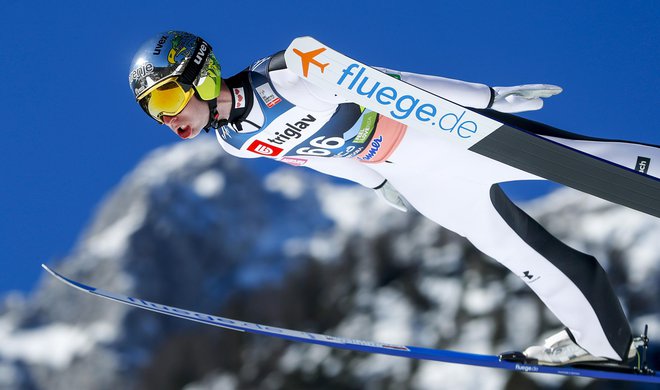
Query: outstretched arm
{"points": [[360, 173], [504, 99]]}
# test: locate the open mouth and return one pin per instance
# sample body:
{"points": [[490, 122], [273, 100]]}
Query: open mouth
{"points": [[184, 132]]}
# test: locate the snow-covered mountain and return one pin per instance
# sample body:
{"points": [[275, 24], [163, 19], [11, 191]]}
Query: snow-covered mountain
{"points": [[192, 227]]}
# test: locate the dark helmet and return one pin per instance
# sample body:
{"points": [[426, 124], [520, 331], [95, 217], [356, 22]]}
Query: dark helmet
{"points": [[179, 57]]}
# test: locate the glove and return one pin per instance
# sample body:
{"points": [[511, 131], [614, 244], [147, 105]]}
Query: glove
{"points": [[389, 194], [522, 97]]}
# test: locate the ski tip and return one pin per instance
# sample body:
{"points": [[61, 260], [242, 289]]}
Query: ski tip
{"points": [[50, 271], [68, 281]]}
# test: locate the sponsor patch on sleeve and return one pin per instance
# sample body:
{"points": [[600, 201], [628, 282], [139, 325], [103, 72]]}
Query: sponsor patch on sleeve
{"points": [[239, 97], [267, 94]]}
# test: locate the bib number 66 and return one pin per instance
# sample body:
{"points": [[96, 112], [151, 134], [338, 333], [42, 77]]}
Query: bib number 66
{"points": [[321, 146]]}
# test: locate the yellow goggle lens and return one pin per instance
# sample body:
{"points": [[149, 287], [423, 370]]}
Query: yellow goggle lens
{"points": [[168, 99]]}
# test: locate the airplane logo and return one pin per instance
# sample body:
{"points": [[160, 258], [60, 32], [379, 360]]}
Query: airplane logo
{"points": [[308, 58]]}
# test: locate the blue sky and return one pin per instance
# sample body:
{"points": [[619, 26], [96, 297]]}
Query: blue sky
{"points": [[72, 130]]}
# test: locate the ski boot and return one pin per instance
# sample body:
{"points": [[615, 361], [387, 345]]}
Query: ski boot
{"points": [[560, 349]]}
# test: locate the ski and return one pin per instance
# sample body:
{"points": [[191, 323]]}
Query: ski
{"points": [[404, 351], [470, 130]]}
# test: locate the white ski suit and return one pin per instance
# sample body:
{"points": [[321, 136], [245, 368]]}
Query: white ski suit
{"points": [[278, 115]]}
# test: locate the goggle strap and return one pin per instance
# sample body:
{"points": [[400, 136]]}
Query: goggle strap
{"points": [[196, 62]]}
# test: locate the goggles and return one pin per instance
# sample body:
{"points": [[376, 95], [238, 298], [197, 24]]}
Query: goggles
{"points": [[168, 97]]}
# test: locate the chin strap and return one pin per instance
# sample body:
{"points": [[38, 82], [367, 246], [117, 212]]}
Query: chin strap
{"points": [[214, 117]]}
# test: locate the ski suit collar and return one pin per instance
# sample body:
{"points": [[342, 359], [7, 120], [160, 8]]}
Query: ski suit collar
{"points": [[241, 97]]}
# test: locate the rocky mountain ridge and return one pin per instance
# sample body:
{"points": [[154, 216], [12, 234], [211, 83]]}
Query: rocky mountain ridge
{"points": [[193, 228]]}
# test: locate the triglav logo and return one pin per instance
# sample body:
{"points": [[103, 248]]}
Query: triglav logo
{"points": [[283, 138], [292, 130], [264, 149]]}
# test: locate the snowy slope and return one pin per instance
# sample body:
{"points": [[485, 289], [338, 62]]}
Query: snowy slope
{"points": [[194, 228]]}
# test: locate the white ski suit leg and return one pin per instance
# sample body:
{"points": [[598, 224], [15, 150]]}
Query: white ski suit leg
{"points": [[459, 191], [637, 156]]}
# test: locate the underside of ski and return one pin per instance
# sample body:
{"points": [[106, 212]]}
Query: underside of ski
{"points": [[465, 128], [405, 351]]}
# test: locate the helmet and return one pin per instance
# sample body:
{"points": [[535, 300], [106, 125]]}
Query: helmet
{"points": [[169, 68]]}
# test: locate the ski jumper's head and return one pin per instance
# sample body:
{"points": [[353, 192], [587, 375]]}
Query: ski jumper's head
{"points": [[169, 69]]}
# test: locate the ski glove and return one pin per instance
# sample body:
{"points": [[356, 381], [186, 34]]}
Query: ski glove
{"points": [[389, 194], [522, 97]]}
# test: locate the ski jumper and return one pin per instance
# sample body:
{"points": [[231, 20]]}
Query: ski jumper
{"points": [[276, 114]]}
